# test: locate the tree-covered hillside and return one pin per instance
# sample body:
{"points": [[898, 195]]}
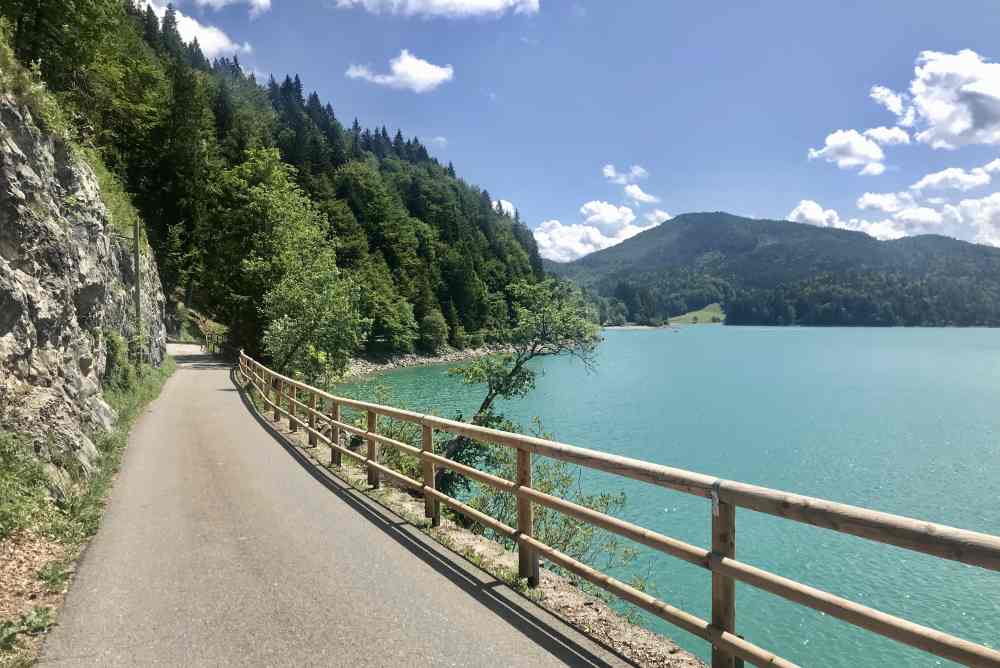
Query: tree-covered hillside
{"points": [[253, 190], [782, 273]]}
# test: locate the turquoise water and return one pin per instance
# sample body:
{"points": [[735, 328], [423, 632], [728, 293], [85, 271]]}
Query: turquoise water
{"points": [[901, 420]]}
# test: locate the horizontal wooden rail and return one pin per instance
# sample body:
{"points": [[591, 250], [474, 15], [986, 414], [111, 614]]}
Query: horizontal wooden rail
{"points": [[968, 547]]}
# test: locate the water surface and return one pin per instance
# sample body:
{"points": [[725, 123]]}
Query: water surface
{"points": [[905, 421]]}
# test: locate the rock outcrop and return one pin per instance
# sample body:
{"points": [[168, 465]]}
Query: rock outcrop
{"points": [[66, 281]]}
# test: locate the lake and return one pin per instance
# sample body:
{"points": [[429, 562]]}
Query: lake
{"points": [[905, 421]]}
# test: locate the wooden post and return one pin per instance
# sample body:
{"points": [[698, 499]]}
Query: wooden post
{"points": [[432, 507], [335, 434], [293, 424], [277, 398], [723, 588], [372, 448], [527, 559], [312, 419]]}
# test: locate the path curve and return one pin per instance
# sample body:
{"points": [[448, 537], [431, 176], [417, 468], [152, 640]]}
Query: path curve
{"points": [[220, 548]]}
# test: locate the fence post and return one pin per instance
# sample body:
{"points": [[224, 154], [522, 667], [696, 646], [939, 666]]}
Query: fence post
{"points": [[293, 424], [527, 559], [432, 507], [723, 588], [372, 448], [312, 419], [277, 397], [335, 434]]}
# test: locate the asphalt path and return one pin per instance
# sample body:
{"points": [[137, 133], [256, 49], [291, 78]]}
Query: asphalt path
{"points": [[222, 545]]}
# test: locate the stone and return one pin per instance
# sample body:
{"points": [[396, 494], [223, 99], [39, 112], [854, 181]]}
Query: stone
{"points": [[66, 281]]}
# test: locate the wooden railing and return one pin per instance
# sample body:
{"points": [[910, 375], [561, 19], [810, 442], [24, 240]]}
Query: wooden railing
{"points": [[318, 413]]}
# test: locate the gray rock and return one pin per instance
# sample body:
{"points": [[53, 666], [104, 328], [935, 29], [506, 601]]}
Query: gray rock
{"points": [[66, 280]]}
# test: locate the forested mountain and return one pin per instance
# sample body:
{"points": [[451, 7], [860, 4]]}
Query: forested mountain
{"points": [[781, 273], [251, 190]]}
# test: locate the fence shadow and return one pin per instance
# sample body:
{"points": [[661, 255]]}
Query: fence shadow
{"points": [[538, 625]]}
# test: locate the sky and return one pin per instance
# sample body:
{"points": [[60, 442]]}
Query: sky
{"points": [[598, 119]]}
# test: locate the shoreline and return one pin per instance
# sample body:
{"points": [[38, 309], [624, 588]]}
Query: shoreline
{"points": [[363, 367]]}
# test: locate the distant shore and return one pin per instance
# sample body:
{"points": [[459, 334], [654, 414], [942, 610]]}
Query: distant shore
{"points": [[361, 367]]}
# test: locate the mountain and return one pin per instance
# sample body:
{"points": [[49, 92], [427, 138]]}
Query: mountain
{"points": [[779, 272]]}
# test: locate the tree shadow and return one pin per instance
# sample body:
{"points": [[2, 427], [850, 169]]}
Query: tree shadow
{"points": [[537, 624]]}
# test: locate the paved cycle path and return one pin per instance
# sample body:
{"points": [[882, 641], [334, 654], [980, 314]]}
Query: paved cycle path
{"points": [[220, 547]]}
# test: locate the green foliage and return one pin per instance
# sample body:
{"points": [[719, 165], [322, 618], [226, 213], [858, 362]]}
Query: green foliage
{"points": [[37, 620], [23, 486], [28, 86], [549, 318], [433, 332], [772, 272], [119, 374]]}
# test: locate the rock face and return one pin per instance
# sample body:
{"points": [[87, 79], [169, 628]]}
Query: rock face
{"points": [[66, 280]]}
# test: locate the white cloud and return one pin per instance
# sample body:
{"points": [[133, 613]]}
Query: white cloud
{"points": [[406, 72], [850, 149], [257, 7], [440, 142], [980, 216], [919, 216], [213, 41], [505, 205], [443, 8], [888, 136], [564, 243], [957, 99], [636, 194], [634, 173], [886, 202], [657, 216], [606, 215], [893, 101], [954, 178], [811, 213]]}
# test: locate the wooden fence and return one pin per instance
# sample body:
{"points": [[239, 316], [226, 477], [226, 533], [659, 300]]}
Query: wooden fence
{"points": [[318, 413]]}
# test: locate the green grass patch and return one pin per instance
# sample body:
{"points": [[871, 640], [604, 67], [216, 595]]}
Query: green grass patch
{"points": [[25, 502], [711, 314]]}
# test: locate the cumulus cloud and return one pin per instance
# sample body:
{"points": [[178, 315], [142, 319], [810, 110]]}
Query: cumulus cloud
{"points": [[564, 243], [957, 99], [888, 136], [980, 216], [607, 216], [919, 216], [634, 173], [885, 202], [505, 205], [636, 194], [406, 72], [850, 149], [810, 212], [443, 8], [213, 41], [257, 7], [954, 177], [440, 142], [657, 216], [894, 102]]}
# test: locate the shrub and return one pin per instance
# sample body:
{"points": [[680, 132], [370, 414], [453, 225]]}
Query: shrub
{"points": [[475, 340], [119, 375], [23, 495], [433, 332]]}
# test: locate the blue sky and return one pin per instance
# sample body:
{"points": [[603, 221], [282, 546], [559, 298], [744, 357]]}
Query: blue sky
{"points": [[761, 109]]}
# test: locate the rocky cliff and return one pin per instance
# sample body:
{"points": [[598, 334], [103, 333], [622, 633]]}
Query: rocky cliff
{"points": [[66, 282]]}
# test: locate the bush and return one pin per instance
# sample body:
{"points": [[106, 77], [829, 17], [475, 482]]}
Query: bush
{"points": [[475, 340], [119, 375], [457, 339], [433, 332]]}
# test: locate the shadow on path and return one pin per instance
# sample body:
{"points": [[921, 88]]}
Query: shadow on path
{"points": [[536, 623]]}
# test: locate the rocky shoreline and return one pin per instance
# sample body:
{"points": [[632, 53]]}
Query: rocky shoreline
{"points": [[361, 367]]}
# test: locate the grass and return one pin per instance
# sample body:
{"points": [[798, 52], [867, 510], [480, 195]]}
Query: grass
{"points": [[26, 504], [711, 314]]}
